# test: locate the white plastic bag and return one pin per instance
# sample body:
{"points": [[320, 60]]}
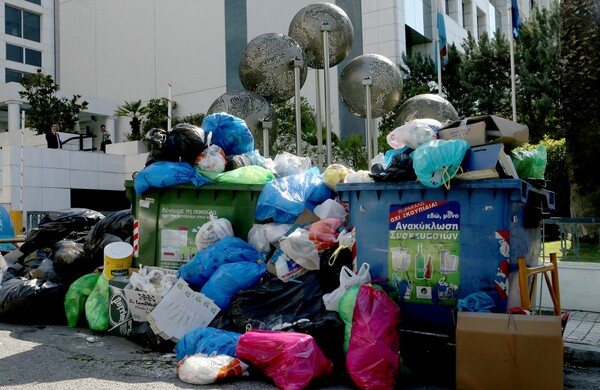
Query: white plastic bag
{"points": [[286, 164], [212, 159], [361, 176], [413, 134], [201, 369], [286, 268], [212, 231], [299, 247], [347, 279], [330, 209], [262, 236]]}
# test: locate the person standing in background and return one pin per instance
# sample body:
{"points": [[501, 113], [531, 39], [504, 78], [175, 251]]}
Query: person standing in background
{"points": [[105, 138], [52, 137]]}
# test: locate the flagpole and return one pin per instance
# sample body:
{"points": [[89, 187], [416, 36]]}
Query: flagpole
{"points": [[169, 108], [512, 62], [437, 48]]}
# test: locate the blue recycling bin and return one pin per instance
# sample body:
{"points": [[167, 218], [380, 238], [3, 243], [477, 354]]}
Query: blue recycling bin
{"points": [[436, 246], [7, 229]]}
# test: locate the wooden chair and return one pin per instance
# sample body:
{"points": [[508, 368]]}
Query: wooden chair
{"points": [[527, 291]]}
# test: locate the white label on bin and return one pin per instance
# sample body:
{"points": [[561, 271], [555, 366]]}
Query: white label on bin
{"points": [[146, 202]]}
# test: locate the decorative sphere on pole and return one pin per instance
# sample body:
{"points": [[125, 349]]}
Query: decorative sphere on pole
{"points": [[252, 108], [306, 28], [267, 66], [385, 84], [425, 106]]}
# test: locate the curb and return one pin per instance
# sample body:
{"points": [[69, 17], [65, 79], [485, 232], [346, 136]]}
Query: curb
{"points": [[581, 354]]}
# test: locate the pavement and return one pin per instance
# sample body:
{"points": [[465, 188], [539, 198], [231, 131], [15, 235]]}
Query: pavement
{"points": [[582, 338]]}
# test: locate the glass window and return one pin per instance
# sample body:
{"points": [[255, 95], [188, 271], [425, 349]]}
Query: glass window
{"points": [[12, 25], [33, 57], [31, 26], [22, 24], [14, 53], [38, 2], [12, 75]]}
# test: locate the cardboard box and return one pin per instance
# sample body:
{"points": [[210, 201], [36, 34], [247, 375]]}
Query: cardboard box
{"points": [[141, 303], [508, 351], [120, 320], [473, 133], [487, 162], [498, 130]]}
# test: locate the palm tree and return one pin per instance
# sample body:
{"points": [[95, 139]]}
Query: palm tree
{"points": [[136, 111]]}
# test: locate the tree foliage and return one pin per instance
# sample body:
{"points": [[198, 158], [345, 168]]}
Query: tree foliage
{"points": [[580, 43], [157, 111], [137, 111], [46, 107]]}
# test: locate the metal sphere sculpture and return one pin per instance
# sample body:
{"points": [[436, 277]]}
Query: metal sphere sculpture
{"points": [[266, 66], [386, 85], [252, 108], [306, 29], [425, 106]]}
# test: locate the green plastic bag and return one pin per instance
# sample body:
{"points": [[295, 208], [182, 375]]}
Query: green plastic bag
{"points": [[76, 296], [250, 174], [530, 163], [346, 310], [96, 306]]}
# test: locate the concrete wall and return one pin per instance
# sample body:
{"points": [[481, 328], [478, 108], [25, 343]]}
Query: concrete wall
{"points": [[48, 175]]}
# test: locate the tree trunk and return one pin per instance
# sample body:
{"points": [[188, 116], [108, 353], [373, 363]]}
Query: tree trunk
{"points": [[580, 93]]}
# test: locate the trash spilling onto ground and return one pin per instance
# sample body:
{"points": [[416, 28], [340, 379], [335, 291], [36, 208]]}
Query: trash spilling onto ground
{"points": [[243, 265]]}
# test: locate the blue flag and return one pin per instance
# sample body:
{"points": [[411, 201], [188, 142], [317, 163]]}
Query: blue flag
{"points": [[516, 19], [443, 48]]}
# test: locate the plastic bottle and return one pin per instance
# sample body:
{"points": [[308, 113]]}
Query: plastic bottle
{"points": [[419, 263], [428, 268]]}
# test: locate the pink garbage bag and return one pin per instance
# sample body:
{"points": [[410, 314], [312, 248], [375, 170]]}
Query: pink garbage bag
{"points": [[291, 359], [373, 358]]}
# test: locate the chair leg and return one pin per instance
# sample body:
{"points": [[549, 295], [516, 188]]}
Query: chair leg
{"points": [[523, 283]]}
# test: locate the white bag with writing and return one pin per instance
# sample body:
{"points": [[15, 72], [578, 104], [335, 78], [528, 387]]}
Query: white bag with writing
{"points": [[347, 279]]}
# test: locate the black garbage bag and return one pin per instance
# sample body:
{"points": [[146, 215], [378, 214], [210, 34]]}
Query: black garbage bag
{"points": [[35, 301], [71, 261], [399, 169], [331, 262], [143, 334], [117, 226], [57, 225], [271, 302], [182, 144]]}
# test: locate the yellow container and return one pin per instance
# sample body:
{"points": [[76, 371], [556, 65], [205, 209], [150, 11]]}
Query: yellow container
{"points": [[117, 259], [16, 217]]}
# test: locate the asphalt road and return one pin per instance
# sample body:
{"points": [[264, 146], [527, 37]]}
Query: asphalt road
{"points": [[57, 357]]}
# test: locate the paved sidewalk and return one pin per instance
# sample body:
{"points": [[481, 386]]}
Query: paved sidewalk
{"points": [[582, 338]]}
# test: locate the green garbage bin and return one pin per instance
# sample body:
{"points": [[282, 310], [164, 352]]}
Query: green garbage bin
{"points": [[169, 218]]}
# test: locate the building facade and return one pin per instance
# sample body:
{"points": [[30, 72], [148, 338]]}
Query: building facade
{"points": [[113, 51]]}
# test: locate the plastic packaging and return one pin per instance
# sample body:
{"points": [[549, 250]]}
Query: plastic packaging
{"points": [[530, 163], [335, 173], [438, 161], [230, 278], [207, 341], [212, 159], [299, 247], [348, 279], [165, 174], [96, 306], [212, 231], [202, 369], [77, 295], [291, 359], [413, 133], [331, 209], [229, 132], [287, 164]]}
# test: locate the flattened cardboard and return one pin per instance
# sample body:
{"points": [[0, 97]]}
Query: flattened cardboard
{"points": [[120, 320], [473, 133], [508, 351], [498, 130], [487, 162]]}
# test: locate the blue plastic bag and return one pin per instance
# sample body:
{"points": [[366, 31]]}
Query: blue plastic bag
{"points": [[229, 132], [389, 155], [438, 161], [230, 278], [228, 250], [165, 174], [206, 341], [284, 199]]}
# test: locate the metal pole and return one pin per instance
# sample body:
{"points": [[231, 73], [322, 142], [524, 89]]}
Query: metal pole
{"points": [[367, 82], [325, 28], [21, 166], [266, 125], [437, 48], [319, 128], [297, 64], [512, 63], [169, 109]]}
